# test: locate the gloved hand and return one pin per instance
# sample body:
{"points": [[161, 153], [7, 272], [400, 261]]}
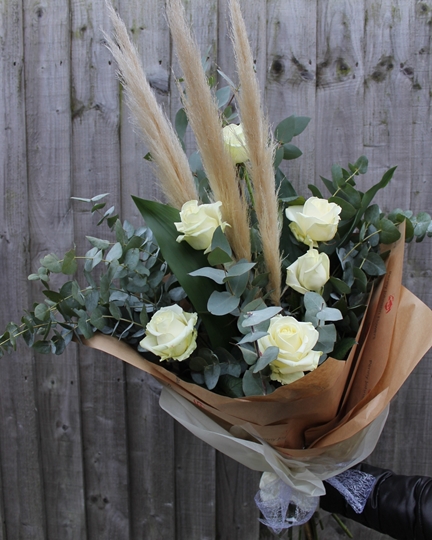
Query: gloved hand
{"points": [[399, 506]]}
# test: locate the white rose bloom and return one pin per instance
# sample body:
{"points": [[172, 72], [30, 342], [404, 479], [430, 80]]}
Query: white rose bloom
{"points": [[295, 340], [235, 143], [171, 333], [315, 221], [310, 272], [198, 224]]}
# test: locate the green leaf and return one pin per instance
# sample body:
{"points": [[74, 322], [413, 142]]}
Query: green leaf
{"points": [[360, 279], [97, 207], [278, 156], [91, 299], [361, 165], [348, 210], [52, 263], [182, 260], [85, 327], [211, 375], [114, 253], [291, 152], [69, 265], [237, 284], [254, 385], [97, 319], [218, 256], [42, 312], [239, 268], [249, 353], [372, 214], [340, 286], [231, 386], [389, 232], [329, 314], [301, 123], [214, 274], [250, 338], [285, 130], [219, 240], [98, 243], [181, 123], [115, 311], [270, 354], [313, 302], [53, 296], [257, 317], [374, 265], [337, 176], [315, 191], [366, 200], [144, 317], [222, 303], [327, 338], [342, 348], [223, 95], [42, 346]]}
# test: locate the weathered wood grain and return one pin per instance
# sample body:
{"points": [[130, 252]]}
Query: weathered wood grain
{"points": [[150, 430], [22, 505], [291, 78], [47, 74], [96, 165]]}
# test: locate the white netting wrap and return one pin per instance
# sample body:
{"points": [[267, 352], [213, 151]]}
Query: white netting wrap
{"points": [[281, 505], [355, 486]]}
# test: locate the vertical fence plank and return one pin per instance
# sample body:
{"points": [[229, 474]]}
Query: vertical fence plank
{"points": [[96, 165], [387, 97], [22, 506], [47, 71], [290, 83], [339, 105], [150, 430]]}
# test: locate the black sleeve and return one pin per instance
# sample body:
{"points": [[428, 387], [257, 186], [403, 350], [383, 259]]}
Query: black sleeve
{"points": [[399, 506]]}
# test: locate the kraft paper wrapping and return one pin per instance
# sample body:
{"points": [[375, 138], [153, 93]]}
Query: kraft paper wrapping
{"points": [[331, 406]]}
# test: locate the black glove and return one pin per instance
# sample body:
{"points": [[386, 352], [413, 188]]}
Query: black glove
{"points": [[399, 506]]}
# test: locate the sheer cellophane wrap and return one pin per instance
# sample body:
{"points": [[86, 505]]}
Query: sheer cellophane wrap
{"points": [[323, 423]]}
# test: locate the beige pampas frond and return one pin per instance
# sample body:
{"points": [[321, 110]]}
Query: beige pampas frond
{"points": [[172, 165], [261, 151], [203, 115]]}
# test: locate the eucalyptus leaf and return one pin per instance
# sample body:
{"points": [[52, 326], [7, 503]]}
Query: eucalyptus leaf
{"points": [[256, 317], [52, 263], [270, 354], [214, 274], [98, 243], [114, 253], [222, 303], [69, 265], [374, 265]]}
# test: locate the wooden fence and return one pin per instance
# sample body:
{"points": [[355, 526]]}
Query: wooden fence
{"points": [[85, 451]]}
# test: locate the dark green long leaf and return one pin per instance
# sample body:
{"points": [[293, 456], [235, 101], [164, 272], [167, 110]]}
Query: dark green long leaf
{"points": [[182, 260]]}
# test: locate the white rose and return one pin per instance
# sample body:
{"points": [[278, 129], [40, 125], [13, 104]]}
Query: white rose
{"points": [[171, 333], [310, 272], [315, 221], [198, 224], [295, 340], [235, 143]]}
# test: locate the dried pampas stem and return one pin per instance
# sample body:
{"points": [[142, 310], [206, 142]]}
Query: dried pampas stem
{"points": [[261, 151], [203, 115], [172, 166]]}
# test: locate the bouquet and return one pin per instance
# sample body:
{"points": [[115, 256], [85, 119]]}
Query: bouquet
{"points": [[276, 323]]}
